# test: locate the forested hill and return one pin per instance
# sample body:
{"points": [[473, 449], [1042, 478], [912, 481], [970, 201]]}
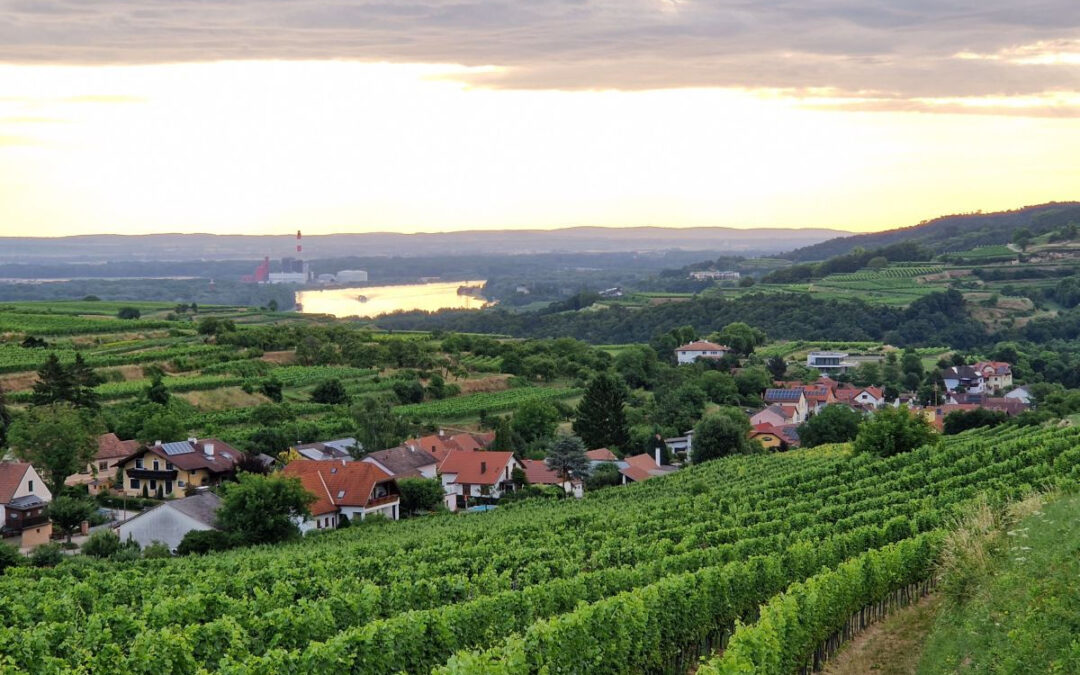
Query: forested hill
{"points": [[951, 233], [940, 318]]}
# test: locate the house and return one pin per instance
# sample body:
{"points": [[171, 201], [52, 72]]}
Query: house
{"points": [[700, 349], [479, 476], [169, 522], [680, 444], [642, 467], [865, 397], [775, 415], [341, 448], [601, 455], [1010, 406], [818, 396], [996, 375], [774, 437], [354, 490], [169, 469], [99, 473], [405, 462], [1021, 394], [441, 443], [537, 472], [966, 378], [24, 498], [789, 398], [829, 362]]}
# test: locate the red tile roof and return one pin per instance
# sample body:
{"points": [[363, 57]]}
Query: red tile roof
{"points": [[538, 473], [337, 483], [703, 346], [442, 443], [222, 461], [111, 447], [476, 468], [601, 455], [11, 474], [642, 467]]}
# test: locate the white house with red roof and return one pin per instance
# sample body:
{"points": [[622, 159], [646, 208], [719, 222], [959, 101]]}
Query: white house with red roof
{"points": [[639, 468], [997, 375], [24, 499], [476, 476], [867, 397], [343, 488], [537, 472], [701, 349]]}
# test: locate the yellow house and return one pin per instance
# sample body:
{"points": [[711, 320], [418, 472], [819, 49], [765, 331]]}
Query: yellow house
{"points": [[169, 469]]}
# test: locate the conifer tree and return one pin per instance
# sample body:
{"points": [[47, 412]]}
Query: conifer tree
{"points": [[600, 420], [54, 383]]}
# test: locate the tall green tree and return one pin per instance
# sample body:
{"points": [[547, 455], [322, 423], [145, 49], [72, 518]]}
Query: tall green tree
{"points": [[68, 513], [57, 440], [719, 435], [330, 391], [377, 425], [83, 380], [420, 494], [777, 366], [5, 419], [157, 392], [261, 509], [741, 337], [54, 383], [600, 418], [834, 424], [892, 431], [163, 426], [566, 457], [535, 420], [504, 435]]}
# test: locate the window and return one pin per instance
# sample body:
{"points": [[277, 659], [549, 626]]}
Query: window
{"points": [[169, 466], [135, 484], [156, 466], [153, 484], [180, 483], [30, 485], [138, 463], [103, 465]]}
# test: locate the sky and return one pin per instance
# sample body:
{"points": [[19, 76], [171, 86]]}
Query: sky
{"points": [[264, 116]]}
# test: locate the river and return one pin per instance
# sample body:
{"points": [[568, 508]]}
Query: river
{"points": [[342, 302]]}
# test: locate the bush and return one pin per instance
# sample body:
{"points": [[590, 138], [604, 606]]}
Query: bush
{"points": [[155, 550], [101, 544], [330, 391], [892, 431], [10, 557], [206, 541], [47, 555]]}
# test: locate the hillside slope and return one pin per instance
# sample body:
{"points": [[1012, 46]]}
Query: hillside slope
{"points": [[951, 233]]}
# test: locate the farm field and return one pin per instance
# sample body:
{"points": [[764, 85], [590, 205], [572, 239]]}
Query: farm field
{"points": [[645, 578]]}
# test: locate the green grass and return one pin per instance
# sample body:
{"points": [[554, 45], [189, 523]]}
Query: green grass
{"points": [[1026, 617]]}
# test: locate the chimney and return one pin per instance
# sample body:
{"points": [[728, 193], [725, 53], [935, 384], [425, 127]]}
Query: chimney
{"points": [[483, 467], [193, 440], [208, 449], [658, 458], [442, 433], [157, 444]]}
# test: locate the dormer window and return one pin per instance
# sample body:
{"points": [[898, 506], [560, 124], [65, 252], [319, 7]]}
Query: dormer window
{"points": [[341, 494]]}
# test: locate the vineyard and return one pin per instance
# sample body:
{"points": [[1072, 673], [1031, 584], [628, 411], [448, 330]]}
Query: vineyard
{"points": [[492, 402], [646, 578], [895, 272]]}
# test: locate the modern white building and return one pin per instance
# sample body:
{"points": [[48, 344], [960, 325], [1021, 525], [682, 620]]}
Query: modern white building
{"points": [[351, 276], [288, 278], [829, 362]]}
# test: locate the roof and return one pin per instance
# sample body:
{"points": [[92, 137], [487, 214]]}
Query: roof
{"points": [[776, 395], [111, 447], [538, 473], [202, 506], [774, 409], [703, 346], [336, 449], [785, 432], [479, 468], [26, 502], [403, 460], [337, 483], [995, 367], [643, 467], [190, 455], [602, 455], [442, 443], [11, 474]]}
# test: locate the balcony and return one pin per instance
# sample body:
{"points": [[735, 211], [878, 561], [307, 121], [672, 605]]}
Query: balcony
{"points": [[152, 474], [381, 501]]}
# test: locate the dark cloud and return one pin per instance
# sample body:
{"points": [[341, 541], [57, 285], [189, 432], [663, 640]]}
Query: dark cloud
{"points": [[899, 50]]}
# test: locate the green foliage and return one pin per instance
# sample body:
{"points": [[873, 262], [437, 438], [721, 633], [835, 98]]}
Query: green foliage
{"points": [[719, 435], [163, 426], [156, 550], [68, 513], [377, 424], [206, 541], [10, 556], [331, 392], [157, 392], [893, 431], [5, 419], [102, 544], [271, 389], [833, 424], [600, 418], [491, 402], [753, 381], [420, 494], [604, 475], [535, 420], [961, 420], [566, 457], [741, 337], [128, 313], [260, 509], [47, 555], [58, 440]]}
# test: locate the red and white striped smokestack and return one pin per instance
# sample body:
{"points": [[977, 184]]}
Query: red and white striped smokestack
{"points": [[299, 246]]}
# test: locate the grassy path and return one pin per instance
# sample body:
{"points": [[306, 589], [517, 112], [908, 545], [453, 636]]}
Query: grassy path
{"points": [[891, 647]]}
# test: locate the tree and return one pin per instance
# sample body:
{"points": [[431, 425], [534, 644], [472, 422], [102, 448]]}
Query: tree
{"points": [[68, 513], [746, 282], [157, 392], [535, 420], [720, 435], [57, 440], [753, 381], [892, 431], [408, 391], [637, 365], [10, 556], [972, 419], [879, 262], [330, 391], [566, 457], [5, 419], [261, 509], [867, 374], [163, 426], [719, 387], [1022, 238], [128, 313], [271, 389], [54, 383], [681, 407], [271, 441], [83, 380], [377, 425], [102, 544], [834, 424], [604, 475], [504, 435], [206, 541], [741, 337], [600, 418], [420, 494], [272, 305], [777, 366]]}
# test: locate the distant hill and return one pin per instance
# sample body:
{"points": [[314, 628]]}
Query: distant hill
{"points": [[101, 248], [951, 233]]}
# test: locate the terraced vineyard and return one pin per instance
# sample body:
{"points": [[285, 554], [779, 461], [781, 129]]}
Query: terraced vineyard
{"points": [[641, 579], [467, 406]]}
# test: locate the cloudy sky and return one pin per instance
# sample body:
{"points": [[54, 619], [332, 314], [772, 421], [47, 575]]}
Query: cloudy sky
{"points": [[419, 115]]}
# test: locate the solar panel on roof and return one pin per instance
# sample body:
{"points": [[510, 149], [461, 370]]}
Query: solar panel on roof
{"points": [[177, 448]]}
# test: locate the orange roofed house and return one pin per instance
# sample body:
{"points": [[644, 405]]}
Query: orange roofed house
{"points": [[537, 472], [701, 349], [342, 488], [478, 477], [98, 474]]}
